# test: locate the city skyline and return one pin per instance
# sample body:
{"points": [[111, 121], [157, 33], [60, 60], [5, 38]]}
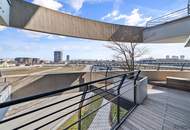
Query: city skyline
{"points": [[19, 43]]}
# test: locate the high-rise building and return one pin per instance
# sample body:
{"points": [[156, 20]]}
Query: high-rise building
{"points": [[175, 57], [167, 57], [68, 58], [58, 56], [182, 57]]}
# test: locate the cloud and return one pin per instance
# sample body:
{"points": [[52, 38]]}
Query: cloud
{"points": [[134, 19], [113, 14], [2, 28], [117, 4], [52, 4], [1, 49], [78, 4]]}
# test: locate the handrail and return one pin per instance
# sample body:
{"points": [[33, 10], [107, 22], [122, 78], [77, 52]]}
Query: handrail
{"points": [[169, 17], [114, 90], [26, 99]]}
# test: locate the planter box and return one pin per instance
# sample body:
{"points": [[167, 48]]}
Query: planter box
{"points": [[141, 90], [179, 83]]}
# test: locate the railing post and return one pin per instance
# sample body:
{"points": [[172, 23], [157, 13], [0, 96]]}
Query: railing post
{"points": [[182, 67], [158, 67], [118, 98], [80, 107], [106, 75], [135, 86], [188, 7]]}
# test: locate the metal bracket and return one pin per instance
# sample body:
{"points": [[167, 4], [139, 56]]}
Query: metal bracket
{"points": [[187, 42], [10, 2]]}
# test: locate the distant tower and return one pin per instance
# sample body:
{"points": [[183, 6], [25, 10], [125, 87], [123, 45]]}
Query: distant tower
{"points": [[68, 58], [167, 57], [175, 57], [182, 57], [58, 56]]}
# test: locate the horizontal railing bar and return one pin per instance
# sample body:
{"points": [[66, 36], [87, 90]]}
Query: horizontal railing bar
{"points": [[165, 20], [169, 14], [92, 111], [38, 109], [168, 17], [26, 99], [67, 108], [60, 111]]}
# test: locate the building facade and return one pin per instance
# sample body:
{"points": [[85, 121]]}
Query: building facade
{"points": [[58, 56], [27, 61], [68, 58]]}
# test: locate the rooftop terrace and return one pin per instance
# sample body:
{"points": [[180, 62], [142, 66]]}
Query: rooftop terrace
{"points": [[164, 109], [105, 104]]}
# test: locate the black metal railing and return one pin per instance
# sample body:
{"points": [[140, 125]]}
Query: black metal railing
{"points": [[164, 66], [115, 92], [169, 17]]}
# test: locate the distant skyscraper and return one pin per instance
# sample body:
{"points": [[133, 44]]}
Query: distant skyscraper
{"points": [[182, 57], [58, 56], [175, 57], [68, 58], [167, 57]]}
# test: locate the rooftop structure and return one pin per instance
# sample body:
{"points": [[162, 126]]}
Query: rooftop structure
{"points": [[58, 56], [27, 61], [68, 58], [174, 30], [173, 61]]}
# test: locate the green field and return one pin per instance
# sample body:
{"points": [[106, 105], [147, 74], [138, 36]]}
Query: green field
{"points": [[86, 110], [113, 113]]}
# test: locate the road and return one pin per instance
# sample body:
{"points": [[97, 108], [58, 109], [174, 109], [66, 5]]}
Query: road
{"points": [[87, 68], [18, 109], [101, 120]]}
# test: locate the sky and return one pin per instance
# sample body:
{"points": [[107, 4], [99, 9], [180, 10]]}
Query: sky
{"points": [[20, 43]]}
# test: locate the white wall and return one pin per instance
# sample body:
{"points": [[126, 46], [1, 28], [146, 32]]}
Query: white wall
{"points": [[4, 96], [4, 12], [173, 32]]}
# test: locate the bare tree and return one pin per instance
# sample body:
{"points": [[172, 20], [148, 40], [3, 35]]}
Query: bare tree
{"points": [[126, 53]]}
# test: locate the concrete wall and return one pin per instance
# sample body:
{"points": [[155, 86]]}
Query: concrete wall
{"points": [[11, 79], [178, 83], [48, 83], [161, 75], [57, 81], [172, 32], [100, 75], [27, 16], [32, 17]]}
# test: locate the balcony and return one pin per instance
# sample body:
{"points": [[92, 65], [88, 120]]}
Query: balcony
{"points": [[116, 102]]}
